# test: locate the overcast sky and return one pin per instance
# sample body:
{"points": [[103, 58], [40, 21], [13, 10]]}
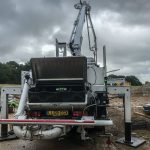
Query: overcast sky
{"points": [[28, 28]]}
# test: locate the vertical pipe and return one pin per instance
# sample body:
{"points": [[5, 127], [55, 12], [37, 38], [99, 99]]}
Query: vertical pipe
{"points": [[65, 51], [4, 104], [57, 51], [23, 99], [4, 131], [128, 132], [104, 61], [127, 112], [94, 36], [4, 113]]}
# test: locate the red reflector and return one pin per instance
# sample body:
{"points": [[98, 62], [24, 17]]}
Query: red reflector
{"points": [[35, 114], [77, 113]]}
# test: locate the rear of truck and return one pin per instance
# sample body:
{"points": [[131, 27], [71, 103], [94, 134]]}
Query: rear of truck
{"points": [[57, 98], [59, 88]]}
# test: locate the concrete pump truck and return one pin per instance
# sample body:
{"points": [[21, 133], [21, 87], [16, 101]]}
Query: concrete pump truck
{"points": [[65, 94]]}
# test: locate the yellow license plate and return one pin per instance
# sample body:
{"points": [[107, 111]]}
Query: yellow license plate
{"points": [[58, 113]]}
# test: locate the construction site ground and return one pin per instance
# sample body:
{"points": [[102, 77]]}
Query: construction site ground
{"points": [[115, 113]]}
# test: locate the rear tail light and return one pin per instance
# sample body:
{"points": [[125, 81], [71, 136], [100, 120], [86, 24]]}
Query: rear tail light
{"points": [[77, 113], [34, 114]]}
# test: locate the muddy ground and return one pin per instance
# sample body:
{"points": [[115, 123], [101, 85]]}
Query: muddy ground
{"points": [[116, 114]]}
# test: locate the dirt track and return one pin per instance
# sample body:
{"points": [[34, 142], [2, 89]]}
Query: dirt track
{"points": [[39, 145], [71, 144]]}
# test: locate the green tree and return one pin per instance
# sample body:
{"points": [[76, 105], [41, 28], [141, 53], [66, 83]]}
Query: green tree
{"points": [[133, 80], [11, 72]]}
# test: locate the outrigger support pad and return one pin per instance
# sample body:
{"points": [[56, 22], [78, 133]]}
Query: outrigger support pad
{"points": [[135, 142]]}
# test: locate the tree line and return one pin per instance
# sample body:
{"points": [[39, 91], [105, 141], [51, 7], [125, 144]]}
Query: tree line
{"points": [[10, 73], [133, 80]]}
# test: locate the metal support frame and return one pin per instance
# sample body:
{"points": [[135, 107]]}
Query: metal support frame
{"points": [[5, 91], [125, 92], [67, 122], [61, 49]]}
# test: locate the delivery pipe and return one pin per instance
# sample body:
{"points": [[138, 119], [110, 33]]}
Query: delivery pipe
{"points": [[38, 134], [23, 99], [29, 134]]}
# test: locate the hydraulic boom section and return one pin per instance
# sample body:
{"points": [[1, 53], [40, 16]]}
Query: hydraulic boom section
{"points": [[76, 36]]}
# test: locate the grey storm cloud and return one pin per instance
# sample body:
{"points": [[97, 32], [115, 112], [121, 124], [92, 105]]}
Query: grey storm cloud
{"points": [[29, 29], [134, 12]]}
